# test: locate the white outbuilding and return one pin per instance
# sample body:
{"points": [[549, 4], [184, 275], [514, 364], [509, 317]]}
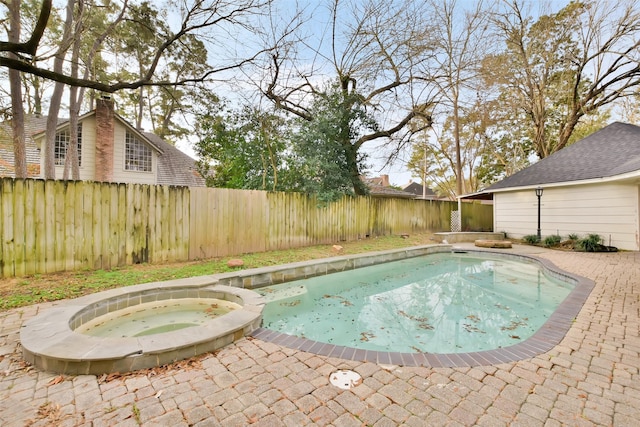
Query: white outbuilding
{"points": [[589, 187]]}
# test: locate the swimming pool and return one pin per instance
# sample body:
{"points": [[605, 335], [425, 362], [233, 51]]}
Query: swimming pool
{"points": [[439, 303]]}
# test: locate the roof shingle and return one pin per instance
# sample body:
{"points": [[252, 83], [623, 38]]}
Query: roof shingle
{"points": [[611, 151]]}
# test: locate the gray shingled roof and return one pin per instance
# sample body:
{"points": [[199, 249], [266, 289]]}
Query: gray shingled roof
{"points": [[611, 151], [376, 189], [174, 166], [415, 188]]}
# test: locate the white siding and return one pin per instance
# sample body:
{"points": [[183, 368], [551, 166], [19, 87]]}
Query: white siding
{"points": [[119, 172], [610, 210]]}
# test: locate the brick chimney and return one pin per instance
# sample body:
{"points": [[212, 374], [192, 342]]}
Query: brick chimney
{"points": [[104, 139], [384, 180]]}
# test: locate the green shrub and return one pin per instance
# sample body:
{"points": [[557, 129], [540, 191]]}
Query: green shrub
{"points": [[531, 239], [591, 243], [573, 236], [550, 241]]}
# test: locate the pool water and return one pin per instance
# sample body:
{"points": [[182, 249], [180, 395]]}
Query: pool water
{"points": [[440, 303], [157, 317]]}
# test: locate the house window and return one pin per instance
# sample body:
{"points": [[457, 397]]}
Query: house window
{"points": [[137, 154], [61, 143]]}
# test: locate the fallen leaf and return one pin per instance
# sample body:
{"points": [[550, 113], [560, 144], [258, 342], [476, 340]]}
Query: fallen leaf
{"points": [[56, 380]]}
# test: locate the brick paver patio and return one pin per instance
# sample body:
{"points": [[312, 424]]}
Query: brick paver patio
{"points": [[590, 378]]}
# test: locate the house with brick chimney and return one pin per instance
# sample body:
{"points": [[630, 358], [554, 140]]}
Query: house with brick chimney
{"points": [[109, 149]]}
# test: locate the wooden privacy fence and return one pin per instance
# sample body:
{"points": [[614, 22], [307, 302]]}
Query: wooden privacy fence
{"points": [[49, 226]]}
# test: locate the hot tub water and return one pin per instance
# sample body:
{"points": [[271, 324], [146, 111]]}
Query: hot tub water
{"points": [[157, 317]]}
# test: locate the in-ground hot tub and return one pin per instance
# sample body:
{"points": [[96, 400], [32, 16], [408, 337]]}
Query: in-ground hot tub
{"points": [[76, 337]]}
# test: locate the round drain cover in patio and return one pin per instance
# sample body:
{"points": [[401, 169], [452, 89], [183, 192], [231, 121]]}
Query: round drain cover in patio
{"points": [[345, 379]]}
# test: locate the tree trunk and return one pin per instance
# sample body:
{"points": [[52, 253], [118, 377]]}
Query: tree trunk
{"points": [[17, 125], [17, 109], [56, 97], [456, 137], [72, 163], [351, 153]]}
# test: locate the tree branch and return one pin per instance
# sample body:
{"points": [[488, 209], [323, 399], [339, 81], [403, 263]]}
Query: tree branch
{"points": [[29, 47], [19, 65], [418, 111]]}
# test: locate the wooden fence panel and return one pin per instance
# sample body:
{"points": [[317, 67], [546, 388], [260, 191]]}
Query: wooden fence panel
{"points": [[69, 225], [477, 217], [6, 211], [87, 226], [19, 232], [121, 223], [225, 221], [140, 229], [30, 227], [48, 226], [155, 236], [198, 208], [105, 223]]}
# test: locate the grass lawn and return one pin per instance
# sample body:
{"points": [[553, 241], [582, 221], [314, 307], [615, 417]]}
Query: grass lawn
{"points": [[22, 291]]}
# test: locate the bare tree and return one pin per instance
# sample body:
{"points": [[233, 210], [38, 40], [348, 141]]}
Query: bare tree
{"points": [[56, 96], [76, 94], [462, 40], [371, 51], [567, 64]]}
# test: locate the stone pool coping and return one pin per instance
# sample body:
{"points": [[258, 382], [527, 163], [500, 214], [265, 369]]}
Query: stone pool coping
{"points": [[544, 339]]}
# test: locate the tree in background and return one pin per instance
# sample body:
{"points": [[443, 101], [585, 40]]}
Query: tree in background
{"points": [[242, 149], [34, 87], [254, 149], [210, 21], [436, 155], [630, 108], [161, 106], [15, 88], [507, 146], [134, 44], [553, 83], [399, 64], [462, 39], [326, 156], [565, 65], [71, 20], [371, 49]]}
